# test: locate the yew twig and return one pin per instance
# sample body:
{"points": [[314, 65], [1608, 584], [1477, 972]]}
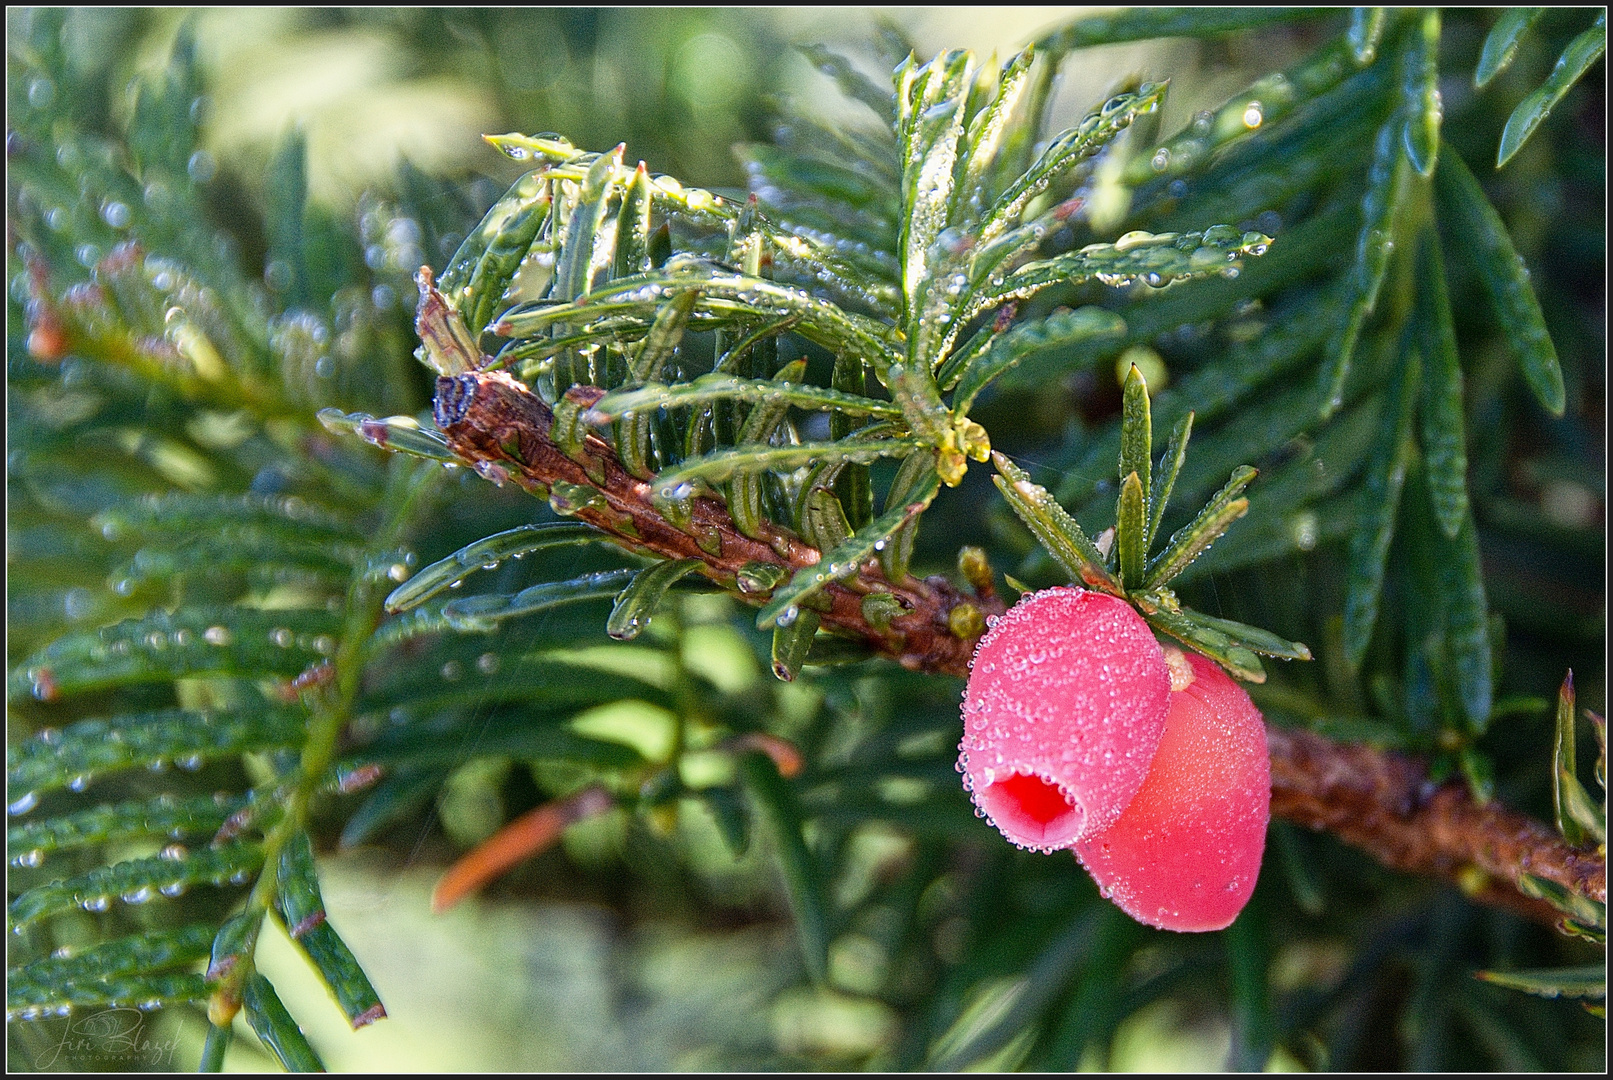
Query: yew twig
{"points": [[1376, 800]]}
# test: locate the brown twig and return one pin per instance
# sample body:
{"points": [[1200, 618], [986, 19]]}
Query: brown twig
{"points": [[1384, 803], [502, 428], [1380, 802]]}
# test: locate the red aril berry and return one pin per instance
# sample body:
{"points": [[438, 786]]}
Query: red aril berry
{"points": [[1065, 705], [1186, 852]]}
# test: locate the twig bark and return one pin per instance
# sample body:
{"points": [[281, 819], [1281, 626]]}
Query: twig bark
{"points": [[1378, 801], [1384, 803], [503, 429]]}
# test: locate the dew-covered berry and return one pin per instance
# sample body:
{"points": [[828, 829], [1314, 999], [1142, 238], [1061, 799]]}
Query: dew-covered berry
{"points": [[1065, 706], [1184, 855]]}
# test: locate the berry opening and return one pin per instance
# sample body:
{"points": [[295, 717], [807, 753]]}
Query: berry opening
{"points": [[1065, 704], [1032, 809]]}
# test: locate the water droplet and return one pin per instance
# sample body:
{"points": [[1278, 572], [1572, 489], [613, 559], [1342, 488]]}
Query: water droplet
{"points": [[80, 782], [282, 637], [1253, 114], [173, 889], [139, 896], [1161, 159], [96, 903], [116, 214], [452, 671], [1303, 528], [487, 663], [189, 763], [216, 635], [28, 858], [277, 274], [201, 167]]}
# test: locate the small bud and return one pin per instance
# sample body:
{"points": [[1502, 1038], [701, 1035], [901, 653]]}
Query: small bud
{"points": [[1472, 880], [222, 1007], [879, 608], [951, 464], [976, 570], [966, 621]]}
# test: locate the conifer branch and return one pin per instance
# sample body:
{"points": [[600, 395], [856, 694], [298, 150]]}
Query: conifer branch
{"points": [[225, 606], [1385, 804], [502, 428], [1375, 800]]}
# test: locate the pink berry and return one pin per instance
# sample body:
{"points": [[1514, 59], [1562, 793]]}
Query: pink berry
{"points": [[1065, 705], [1185, 854]]}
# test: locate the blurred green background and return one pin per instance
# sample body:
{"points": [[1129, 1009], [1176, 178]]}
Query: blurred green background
{"points": [[371, 87]]}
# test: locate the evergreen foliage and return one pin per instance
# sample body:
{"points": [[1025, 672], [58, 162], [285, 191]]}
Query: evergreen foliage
{"points": [[239, 633]]}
